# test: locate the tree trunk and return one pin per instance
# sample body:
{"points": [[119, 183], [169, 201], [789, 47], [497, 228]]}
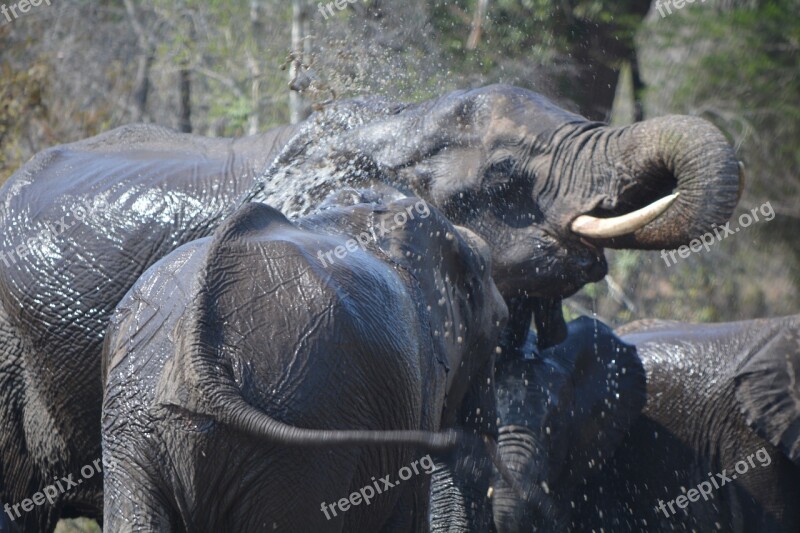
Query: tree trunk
{"points": [[477, 21], [297, 112], [145, 61], [185, 121], [253, 121]]}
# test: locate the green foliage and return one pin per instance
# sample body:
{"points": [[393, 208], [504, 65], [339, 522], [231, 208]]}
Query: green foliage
{"points": [[78, 525], [755, 72], [543, 30], [22, 101]]}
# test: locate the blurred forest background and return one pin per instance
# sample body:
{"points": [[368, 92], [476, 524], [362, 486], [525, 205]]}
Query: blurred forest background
{"points": [[223, 68]]}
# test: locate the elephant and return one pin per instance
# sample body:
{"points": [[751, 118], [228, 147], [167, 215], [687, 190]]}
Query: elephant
{"points": [[250, 380], [561, 411], [715, 448], [547, 189]]}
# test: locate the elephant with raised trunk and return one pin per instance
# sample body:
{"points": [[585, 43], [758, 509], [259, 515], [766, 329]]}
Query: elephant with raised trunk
{"points": [[249, 381], [716, 447], [547, 190]]}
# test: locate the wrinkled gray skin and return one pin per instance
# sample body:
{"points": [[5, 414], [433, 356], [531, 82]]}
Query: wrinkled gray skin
{"points": [[716, 394], [227, 347], [502, 161]]}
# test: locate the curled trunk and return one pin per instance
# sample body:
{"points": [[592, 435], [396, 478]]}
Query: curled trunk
{"points": [[650, 160]]}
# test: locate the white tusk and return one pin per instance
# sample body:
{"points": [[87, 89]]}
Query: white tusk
{"points": [[606, 228]]}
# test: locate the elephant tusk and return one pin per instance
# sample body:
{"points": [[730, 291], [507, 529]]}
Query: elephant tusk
{"points": [[606, 228]]}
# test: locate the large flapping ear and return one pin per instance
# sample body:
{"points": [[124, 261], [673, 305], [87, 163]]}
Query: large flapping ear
{"points": [[605, 393], [180, 385], [767, 385]]}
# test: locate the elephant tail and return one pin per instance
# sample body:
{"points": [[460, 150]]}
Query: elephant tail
{"points": [[242, 416], [203, 384]]}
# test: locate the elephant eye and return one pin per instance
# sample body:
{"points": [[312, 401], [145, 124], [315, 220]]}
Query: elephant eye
{"points": [[498, 173], [513, 203]]}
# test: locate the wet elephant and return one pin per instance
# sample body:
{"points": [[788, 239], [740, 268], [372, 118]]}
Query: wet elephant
{"points": [[253, 384], [547, 189]]}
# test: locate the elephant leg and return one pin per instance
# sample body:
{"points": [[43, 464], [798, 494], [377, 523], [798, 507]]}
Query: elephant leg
{"points": [[133, 502], [20, 477], [514, 336], [548, 314]]}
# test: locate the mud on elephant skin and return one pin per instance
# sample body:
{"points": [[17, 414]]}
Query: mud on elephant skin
{"points": [[502, 161], [248, 382]]}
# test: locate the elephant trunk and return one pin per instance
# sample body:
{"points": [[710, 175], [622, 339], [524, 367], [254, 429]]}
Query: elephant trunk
{"points": [[518, 449], [648, 161]]}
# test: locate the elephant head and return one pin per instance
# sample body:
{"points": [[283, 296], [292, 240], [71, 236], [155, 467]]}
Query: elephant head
{"points": [[561, 415], [547, 189]]}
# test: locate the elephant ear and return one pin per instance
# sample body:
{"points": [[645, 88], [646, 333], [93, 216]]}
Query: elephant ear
{"points": [[767, 387], [604, 394], [181, 388]]}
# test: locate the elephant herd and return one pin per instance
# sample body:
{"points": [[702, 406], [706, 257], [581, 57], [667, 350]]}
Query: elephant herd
{"points": [[280, 332]]}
